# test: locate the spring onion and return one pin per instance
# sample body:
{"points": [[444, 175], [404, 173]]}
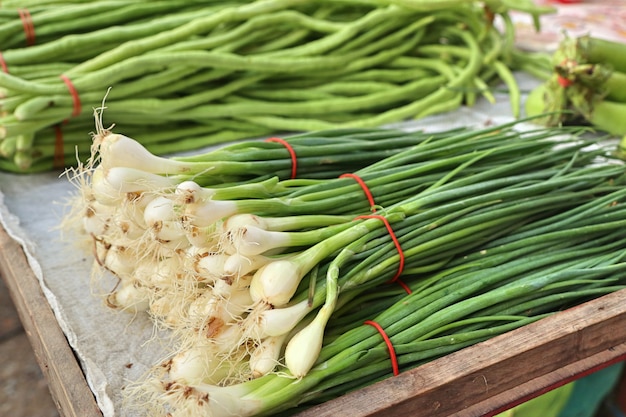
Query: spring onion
{"points": [[466, 302], [489, 229]]}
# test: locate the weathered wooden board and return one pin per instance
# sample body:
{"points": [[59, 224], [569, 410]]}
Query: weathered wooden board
{"points": [[67, 382]]}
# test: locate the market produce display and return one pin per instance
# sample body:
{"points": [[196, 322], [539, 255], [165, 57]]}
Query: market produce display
{"points": [[310, 251], [266, 285], [185, 75]]}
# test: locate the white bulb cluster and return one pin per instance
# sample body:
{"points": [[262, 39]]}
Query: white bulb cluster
{"points": [[221, 280]]}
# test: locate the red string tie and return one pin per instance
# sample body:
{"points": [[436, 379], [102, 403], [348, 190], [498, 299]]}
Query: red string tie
{"points": [[3, 64], [366, 190], [29, 27], [392, 351], [393, 238], [564, 82], [292, 153], [75, 97], [404, 286], [59, 151]]}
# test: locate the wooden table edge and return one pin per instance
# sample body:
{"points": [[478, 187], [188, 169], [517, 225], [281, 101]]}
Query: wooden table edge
{"points": [[497, 374], [66, 380], [544, 383]]}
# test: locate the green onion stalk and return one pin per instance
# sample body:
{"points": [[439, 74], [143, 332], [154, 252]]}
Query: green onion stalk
{"points": [[249, 273], [143, 230], [586, 85], [129, 200], [135, 205], [550, 263], [433, 238], [182, 77], [363, 256]]}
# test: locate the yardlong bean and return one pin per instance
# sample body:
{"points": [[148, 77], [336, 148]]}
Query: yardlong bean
{"points": [[273, 66]]}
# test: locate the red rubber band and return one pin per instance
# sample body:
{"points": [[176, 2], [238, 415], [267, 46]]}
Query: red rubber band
{"points": [[366, 190], [393, 238], [3, 64], [29, 28], [392, 351], [294, 159], [404, 286], [59, 153], [564, 82], [75, 97]]}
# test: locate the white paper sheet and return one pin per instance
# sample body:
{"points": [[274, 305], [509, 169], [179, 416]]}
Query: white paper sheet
{"points": [[105, 341]]}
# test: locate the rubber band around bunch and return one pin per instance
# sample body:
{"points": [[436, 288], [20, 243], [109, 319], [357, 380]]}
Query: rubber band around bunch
{"points": [[3, 64], [366, 190], [370, 199], [77, 106], [392, 351], [563, 81], [59, 152], [29, 27], [393, 238], [292, 153]]}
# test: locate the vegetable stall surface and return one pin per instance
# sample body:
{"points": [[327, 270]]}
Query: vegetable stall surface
{"points": [[280, 293], [185, 75]]}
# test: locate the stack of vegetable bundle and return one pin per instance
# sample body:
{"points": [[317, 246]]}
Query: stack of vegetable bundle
{"points": [[266, 283], [186, 75], [587, 85]]}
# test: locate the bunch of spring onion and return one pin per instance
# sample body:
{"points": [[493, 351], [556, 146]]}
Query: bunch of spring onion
{"points": [[548, 264], [249, 275], [587, 85], [185, 76], [125, 190]]}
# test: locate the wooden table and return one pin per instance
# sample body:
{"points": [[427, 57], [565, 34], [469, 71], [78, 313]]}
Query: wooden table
{"points": [[66, 380], [477, 381]]}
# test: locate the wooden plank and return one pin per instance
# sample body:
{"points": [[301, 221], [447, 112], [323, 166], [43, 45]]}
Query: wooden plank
{"points": [[10, 323], [488, 376], [547, 382], [66, 380], [24, 390]]}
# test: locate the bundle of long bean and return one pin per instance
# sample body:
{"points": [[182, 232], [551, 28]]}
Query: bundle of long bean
{"points": [[266, 276], [217, 71]]}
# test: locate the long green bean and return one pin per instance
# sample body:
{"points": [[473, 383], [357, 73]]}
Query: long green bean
{"points": [[202, 63]]}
